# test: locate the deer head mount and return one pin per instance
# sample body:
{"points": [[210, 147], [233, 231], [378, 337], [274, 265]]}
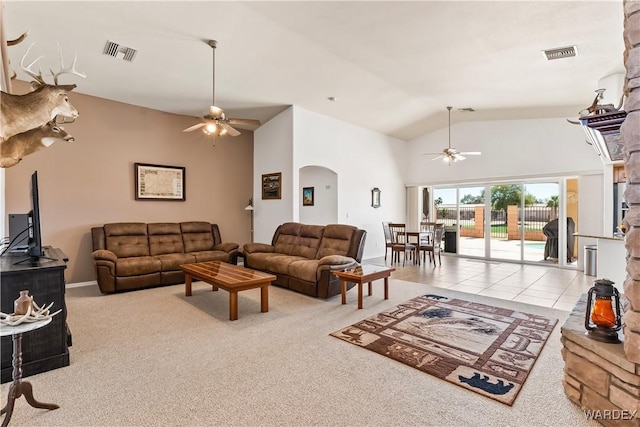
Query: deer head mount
{"points": [[16, 147], [21, 113]]}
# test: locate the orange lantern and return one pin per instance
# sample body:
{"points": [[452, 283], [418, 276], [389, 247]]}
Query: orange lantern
{"points": [[602, 316]]}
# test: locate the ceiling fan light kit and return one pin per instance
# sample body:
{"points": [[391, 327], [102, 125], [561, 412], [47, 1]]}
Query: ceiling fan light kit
{"points": [[451, 155], [216, 122]]}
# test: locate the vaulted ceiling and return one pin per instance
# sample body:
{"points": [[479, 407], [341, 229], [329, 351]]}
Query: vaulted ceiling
{"points": [[392, 66]]}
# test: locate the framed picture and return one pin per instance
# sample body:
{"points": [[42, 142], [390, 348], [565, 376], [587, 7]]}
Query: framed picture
{"points": [[272, 186], [375, 197], [158, 182], [307, 196]]}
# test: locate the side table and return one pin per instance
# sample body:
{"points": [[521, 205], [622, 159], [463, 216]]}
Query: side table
{"points": [[361, 274], [18, 387]]}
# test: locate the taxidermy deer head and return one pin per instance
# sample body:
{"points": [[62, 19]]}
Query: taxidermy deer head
{"points": [[21, 113], [16, 147]]}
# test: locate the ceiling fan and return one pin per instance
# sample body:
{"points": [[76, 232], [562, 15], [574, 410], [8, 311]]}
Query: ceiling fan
{"points": [[216, 123], [449, 154]]}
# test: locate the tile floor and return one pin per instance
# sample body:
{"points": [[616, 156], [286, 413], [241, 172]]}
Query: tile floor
{"points": [[547, 286]]}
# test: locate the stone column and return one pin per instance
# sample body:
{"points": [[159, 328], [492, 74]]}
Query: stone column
{"points": [[630, 133]]}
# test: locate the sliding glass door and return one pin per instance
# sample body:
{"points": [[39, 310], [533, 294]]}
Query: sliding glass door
{"points": [[515, 221]]}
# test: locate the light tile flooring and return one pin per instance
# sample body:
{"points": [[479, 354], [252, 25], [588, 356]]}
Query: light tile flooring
{"points": [[547, 286]]}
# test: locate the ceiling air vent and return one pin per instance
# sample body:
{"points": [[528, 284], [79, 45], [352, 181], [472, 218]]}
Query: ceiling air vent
{"points": [[560, 52], [119, 51]]}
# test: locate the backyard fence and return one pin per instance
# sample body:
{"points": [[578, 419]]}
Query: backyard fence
{"points": [[504, 224]]}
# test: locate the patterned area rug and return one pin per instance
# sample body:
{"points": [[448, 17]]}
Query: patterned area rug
{"points": [[489, 350]]}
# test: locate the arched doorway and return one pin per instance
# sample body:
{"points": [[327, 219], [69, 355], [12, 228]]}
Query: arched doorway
{"points": [[318, 195]]}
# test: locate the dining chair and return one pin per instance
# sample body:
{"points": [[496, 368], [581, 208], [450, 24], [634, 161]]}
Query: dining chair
{"points": [[434, 247], [399, 244], [388, 243]]}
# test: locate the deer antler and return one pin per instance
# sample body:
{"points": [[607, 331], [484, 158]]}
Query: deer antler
{"points": [[63, 70], [27, 69], [19, 39]]}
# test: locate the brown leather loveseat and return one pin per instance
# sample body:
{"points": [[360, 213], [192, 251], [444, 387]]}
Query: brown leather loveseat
{"points": [[302, 257], [136, 255]]}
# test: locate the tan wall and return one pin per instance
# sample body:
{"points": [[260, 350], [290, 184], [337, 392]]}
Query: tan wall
{"points": [[90, 182]]}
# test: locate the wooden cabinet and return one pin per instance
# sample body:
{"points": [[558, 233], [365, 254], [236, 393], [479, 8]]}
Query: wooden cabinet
{"points": [[46, 348]]}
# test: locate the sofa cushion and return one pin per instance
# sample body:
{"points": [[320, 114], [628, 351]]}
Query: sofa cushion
{"points": [[259, 260], [170, 262], [280, 264], [197, 236], [165, 238], [203, 256], [306, 244], [127, 239], [336, 240], [306, 270], [135, 266], [286, 239]]}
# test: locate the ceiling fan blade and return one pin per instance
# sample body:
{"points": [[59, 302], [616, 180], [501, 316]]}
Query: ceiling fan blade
{"points": [[458, 157], [216, 112], [439, 157], [194, 127], [471, 153], [244, 122], [230, 130]]}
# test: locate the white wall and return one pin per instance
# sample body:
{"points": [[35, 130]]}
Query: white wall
{"points": [[273, 152], [362, 160], [510, 149], [325, 191]]}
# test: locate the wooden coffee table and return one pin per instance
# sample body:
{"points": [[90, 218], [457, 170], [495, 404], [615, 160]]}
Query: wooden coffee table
{"points": [[362, 274], [232, 279]]}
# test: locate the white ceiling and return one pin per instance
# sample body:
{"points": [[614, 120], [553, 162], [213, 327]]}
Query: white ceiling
{"points": [[393, 66]]}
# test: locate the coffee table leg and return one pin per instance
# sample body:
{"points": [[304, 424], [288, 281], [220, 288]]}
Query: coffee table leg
{"points": [[386, 288], [343, 287], [359, 294], [264, 299], [233, 306], [187, 285], [369, 288]]}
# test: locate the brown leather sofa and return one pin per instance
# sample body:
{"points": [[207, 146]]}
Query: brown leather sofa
{"points": [[302, 257], [136, 255]]}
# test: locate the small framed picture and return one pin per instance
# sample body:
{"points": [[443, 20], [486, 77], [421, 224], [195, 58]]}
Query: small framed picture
{"points": [[307, 196], [159, 182], [272, 186]]}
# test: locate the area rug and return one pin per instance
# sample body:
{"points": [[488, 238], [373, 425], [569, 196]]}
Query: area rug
{"points": [[489, 350]]}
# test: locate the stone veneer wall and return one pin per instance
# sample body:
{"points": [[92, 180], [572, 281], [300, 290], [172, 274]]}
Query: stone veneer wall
{"points": [[630, 133], [598, 376]]}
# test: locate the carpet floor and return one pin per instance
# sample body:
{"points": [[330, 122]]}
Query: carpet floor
{"points": [[157, 358]]}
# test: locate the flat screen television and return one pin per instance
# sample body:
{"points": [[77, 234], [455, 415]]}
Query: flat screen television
{"points": [[35, 235]]}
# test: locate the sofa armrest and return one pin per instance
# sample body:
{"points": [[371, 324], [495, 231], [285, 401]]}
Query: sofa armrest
{"points": [[226, 247], [104, 255], [250, 248], [336, 262]]}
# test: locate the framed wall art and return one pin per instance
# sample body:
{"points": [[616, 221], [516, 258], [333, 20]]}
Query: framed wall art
{"points": [[158, 182], [272, 186], [307, 196]]}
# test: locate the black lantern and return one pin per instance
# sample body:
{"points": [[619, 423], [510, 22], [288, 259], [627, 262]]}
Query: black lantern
{"points": [[602, 317]]}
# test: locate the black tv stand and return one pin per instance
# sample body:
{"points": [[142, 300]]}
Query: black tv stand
{"points": [[34, 260]]}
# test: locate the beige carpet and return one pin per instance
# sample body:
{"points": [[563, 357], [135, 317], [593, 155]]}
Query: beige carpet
{"points": [[157, 358]]}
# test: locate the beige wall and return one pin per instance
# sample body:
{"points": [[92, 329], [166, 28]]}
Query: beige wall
{"points": [[90, 182]]}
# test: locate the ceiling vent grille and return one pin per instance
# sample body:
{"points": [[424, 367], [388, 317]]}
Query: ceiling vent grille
{"points": [[560, 52], [119, 51]]}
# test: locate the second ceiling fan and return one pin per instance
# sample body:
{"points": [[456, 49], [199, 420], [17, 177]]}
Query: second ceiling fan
{"points": [[449, 154], [216, 123]]}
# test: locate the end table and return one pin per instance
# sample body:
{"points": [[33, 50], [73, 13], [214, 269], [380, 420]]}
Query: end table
{"points": [[18, 387]]}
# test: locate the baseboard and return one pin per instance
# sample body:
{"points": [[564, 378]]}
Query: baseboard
{"points": [[81, 284]]}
